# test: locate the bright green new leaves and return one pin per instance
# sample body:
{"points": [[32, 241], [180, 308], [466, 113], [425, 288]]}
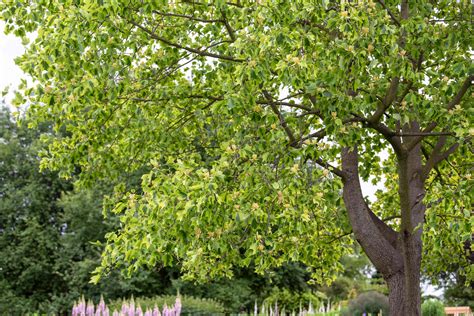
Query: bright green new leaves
{"points": [[239, 110], [244, 207]]}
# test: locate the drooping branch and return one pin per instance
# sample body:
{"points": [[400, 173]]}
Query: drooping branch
{"points": [[200, 52], [331, 33], [338, 172], [288, 104], [319, 134], [233, 4]]}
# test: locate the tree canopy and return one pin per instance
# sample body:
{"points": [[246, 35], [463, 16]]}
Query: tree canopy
{"points": [[254, 117]]}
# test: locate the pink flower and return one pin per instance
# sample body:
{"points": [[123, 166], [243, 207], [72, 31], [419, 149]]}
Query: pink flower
{"points": [[177, 306], [156, 311]]}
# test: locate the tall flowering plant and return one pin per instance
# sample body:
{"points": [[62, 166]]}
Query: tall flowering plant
{"points": [[81, 308]]}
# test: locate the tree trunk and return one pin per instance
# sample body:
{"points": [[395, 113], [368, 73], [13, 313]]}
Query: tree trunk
{"points": [[397, 255], [412, 267], [396, 290], [404, 294]]}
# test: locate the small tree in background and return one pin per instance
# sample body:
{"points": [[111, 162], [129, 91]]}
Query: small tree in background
{"points": [[432, 307], [366, 304]]}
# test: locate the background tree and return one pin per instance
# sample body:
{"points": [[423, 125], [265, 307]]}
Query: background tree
{"points": [[45, 236], [30, 222], [253, 117], [81, 245], [457, 290]]}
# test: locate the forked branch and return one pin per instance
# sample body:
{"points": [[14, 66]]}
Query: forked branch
{"points": [[386, 258]]}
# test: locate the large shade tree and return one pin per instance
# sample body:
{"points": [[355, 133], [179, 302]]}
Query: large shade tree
{"points": [[259, 119]]}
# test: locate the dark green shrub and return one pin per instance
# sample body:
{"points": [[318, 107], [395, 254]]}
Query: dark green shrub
{"points": [[369, 302], [432, 307], [190, 305]]}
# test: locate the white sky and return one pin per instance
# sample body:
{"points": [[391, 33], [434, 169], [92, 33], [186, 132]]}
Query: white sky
{"points": [[10, 75]]}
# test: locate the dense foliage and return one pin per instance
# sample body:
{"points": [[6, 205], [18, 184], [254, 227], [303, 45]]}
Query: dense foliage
{"points": [[252, 117]]}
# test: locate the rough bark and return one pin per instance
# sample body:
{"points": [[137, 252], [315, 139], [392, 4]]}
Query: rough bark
{"points": [[396, 255], [396, 295], [372, 239], [411, 194]]}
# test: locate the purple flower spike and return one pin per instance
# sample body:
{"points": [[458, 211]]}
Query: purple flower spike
{"points": [[90, 309], [124, 309], [139, 311], [79, 308], [177, 306], [74, 310], [156, 311], [101, 305], [115, 313], [131, 308]]}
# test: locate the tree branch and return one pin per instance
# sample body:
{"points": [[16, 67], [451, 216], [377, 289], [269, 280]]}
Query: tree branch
{"points": [[455, 101], [280, 116], [288, 104], [414, 134], [189, 17], [229, 29], [394, 19], [390, 235], [350, 232], [386, 132], [462, 91], [200, 52], [387, 101], [436, 158], [338, 172]]}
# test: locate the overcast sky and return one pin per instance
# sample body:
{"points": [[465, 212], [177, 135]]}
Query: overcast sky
{"points": [[10, 74]]}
